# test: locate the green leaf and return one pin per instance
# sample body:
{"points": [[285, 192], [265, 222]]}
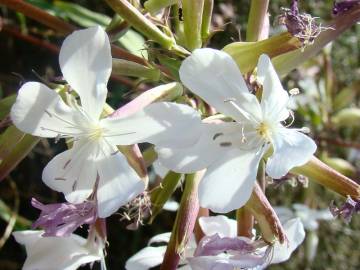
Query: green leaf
{"points": [[5, 105], [163, 193], [14, 146], [81, 15]]}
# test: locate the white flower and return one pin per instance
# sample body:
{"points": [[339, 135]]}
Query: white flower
{"points": [[223, 227], [94, 162], [309, 217], [57, 253], [231, 151], [152, 256]]}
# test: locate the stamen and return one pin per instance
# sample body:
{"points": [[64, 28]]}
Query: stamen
{"points": [[119, 134], [295, 91], [243, 112], [291, 114], [61, 119], [305, 130]]}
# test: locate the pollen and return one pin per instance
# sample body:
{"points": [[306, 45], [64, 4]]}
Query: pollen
{"points": [[264, 131]]}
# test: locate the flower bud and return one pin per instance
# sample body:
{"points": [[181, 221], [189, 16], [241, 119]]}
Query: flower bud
{"points": [[246, 54], [185, 221], [348, 117], [269, 223], [321, 173], [341, 165], [165, 92], [128, 68]]}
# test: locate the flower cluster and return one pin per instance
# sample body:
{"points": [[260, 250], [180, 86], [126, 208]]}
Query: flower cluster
{"points": [[97, 179]]}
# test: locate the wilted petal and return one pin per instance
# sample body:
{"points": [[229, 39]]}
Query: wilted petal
{"points": [[291, 149], [146, 258], [85, 61], [40, 111], [213, 143], [214, 76], [163, 123], [222, 225], [295, 233], [229, 181], [347, 210], [274, 98], [62, 219], [58, 252], [73, 172], [118, 182]]}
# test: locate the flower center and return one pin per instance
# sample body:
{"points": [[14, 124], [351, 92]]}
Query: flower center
{"points": [[96, 133], [264, 130]]}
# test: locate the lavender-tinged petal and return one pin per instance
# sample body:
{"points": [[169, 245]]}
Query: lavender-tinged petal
{"points": [[214, 245], [61, 219]]}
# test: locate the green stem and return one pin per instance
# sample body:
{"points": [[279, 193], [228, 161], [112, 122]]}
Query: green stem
{"points": [[206, 19], [192, 13], [184, 222], [257, 19], [136, 19]]}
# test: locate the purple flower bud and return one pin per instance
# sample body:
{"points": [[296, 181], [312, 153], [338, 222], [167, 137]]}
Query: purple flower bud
{"points": [[214, 245], [61, 219], [347, 210], [345, 5]]}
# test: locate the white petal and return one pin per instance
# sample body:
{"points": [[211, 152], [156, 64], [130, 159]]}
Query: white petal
{"points": [[61, 253], [274, 98], [206, 150], [221, 225], [118, 182], [85, 61], [159, 169], [214, 76], [160, 238], [291, 149], [225, 262], [295, 234], [163, 123], [171, 205], [229, 181], [40, 111], [146, 258], [73, 172], [284, 213]]}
